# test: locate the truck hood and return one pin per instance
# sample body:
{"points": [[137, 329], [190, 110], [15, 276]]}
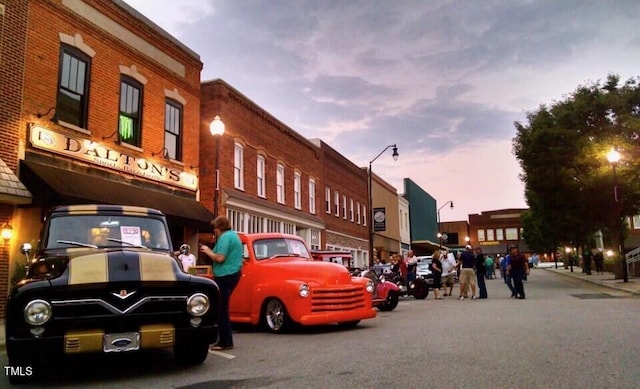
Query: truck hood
{"points": [[323, 273]]}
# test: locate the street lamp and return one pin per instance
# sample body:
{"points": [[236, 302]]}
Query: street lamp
{"points": [[395, 156], [216, 127], [613, 156], [439, 229]]}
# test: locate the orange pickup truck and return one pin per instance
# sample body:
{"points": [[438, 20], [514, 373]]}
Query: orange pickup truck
{"points": [[282, 286]]}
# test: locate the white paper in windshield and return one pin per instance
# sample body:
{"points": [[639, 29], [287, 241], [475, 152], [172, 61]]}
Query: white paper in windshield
{"points": [[131, 235]]}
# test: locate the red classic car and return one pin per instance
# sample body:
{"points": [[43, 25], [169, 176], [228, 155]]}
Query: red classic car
{"points": [[281, 286]]}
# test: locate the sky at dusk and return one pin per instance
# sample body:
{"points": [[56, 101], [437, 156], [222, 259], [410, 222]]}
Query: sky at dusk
{"points": [[444, 80]]}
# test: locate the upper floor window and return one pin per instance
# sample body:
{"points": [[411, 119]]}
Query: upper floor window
{"points": [[364, 215], [636, 222], [336, 202], [238, 166], [260, 176], [297, 196], [481, 236], [173, 129], [344, 207], [327, 199], [280, 184], [499, 234], [73, 87], [490, 236], [130, 111], [358, 212], [511, 233], [312, 196], [351, 209]]}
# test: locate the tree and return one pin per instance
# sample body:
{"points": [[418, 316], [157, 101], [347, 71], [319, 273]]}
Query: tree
{"points": [[568, 180]]}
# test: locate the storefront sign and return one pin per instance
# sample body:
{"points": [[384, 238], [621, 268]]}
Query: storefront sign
{"points": [[100, 154], [379, 219]]}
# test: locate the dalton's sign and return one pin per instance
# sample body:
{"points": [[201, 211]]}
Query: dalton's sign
{"points": [[100, 154]]}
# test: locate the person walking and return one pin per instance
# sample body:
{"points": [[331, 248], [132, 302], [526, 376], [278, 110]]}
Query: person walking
{"points": [[504, 264], [481, 270], [518, 268], [467, 275], [436, 271], [226, 256], [448, 267], [598, 258]]}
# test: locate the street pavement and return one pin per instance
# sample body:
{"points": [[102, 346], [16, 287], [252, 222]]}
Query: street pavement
{"points": [[606, 279]]}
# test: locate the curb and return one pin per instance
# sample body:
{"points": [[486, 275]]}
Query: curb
{"points": [[632, 286]]}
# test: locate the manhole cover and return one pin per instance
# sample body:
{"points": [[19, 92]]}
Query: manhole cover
{"points": [[590, 296]]}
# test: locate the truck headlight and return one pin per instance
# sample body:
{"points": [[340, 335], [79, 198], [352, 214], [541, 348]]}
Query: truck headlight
{"points": [[304, 291], [198, 304], [370, 286], [37, 312]]}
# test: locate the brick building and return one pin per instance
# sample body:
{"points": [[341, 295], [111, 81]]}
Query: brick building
{"points": [[270, 175], [100, 105], [495, 231], [344, 198]]}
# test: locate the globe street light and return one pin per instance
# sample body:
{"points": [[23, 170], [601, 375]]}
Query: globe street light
{"points": [[395, 156], [440, 235], [613, 156], [216, 127]]}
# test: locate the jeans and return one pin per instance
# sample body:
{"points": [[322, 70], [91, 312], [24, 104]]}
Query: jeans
{"points": [[509, 282], [226, 284], [518, 286], [482, 287]]}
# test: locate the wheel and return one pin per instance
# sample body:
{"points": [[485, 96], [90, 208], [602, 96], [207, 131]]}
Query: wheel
{"points": [[420, 290], [390, 303], [349, 324], [190, 351], [275, 318]]}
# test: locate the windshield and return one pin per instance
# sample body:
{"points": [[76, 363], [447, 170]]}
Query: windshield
{"points": [[280, 247], [99, 231]]}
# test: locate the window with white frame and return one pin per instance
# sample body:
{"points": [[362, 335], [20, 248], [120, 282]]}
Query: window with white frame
{"points": [[256, 224], [260, 168], [273, 225], [236, 219], [238, 166], [512, 233], [358, 212], [499, 234], [636, 222], [327, 199], [297, 196], [315, 239], [351, 216], [344, 207], [490, 234], [364, 215], [336, 203], [280, 183], [289, 228], [312, 196], [481, 236]]}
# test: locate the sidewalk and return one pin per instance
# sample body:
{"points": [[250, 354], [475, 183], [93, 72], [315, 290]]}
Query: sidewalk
{"points": [[606, 279]]}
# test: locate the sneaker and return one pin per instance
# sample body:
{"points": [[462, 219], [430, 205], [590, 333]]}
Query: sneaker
{"points": [[461, 298]]}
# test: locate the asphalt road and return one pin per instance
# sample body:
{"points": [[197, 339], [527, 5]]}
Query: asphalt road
{"points": [[566, 334]]}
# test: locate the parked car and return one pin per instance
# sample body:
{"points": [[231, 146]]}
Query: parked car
{"points": [[417, 288], [423, 269], [103, 280], [281, 286]]}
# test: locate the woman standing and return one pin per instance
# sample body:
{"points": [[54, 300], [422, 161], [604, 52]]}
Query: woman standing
{"points": [[480, 273], [436, 271]]}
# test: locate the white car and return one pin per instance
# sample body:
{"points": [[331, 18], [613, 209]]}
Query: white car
{"points": [[423, 268]]}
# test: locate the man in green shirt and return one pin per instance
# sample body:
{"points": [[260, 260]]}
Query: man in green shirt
{"points": [[227, 263]]}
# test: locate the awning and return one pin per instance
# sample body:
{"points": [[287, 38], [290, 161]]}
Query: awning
{"points": [[102, 190], [12, 190]]}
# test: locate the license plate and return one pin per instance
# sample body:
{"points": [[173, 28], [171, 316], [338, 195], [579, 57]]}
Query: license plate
{"points": [[124, 341]]}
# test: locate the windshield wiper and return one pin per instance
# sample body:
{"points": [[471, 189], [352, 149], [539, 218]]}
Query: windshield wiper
{"points": [[71, 242], [284, 255], [127, 243]]}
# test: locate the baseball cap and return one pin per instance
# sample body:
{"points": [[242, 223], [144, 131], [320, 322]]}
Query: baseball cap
{"points": [[468, 247]]}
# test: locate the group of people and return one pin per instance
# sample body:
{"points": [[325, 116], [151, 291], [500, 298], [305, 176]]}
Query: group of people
{"points": [[474, 268]]}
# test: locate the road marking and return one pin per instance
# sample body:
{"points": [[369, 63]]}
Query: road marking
{"points": [[221, 354]]}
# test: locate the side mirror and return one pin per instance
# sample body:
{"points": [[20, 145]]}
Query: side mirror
{"points": [[26, 248]]}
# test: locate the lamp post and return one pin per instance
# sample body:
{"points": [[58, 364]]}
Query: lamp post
{"points": [[395, 156], [216, 127], [439, 229], [613, 156]]}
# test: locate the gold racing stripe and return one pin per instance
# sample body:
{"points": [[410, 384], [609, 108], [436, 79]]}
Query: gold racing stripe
{"points": [[88, 269], [156, 268]]}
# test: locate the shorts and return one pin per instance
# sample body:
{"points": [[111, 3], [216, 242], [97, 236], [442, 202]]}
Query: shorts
{"points": [[448, 279], [468, 276]]}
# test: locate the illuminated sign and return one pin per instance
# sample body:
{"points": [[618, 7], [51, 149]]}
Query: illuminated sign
{"points": [[101, 155]]}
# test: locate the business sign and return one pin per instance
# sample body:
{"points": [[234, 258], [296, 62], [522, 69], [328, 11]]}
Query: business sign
{"points": [[102, 155], [379, 219]]}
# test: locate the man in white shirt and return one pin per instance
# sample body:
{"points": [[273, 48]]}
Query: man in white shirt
{"points": [[448, 269], [186, 258], [412, 262]]}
